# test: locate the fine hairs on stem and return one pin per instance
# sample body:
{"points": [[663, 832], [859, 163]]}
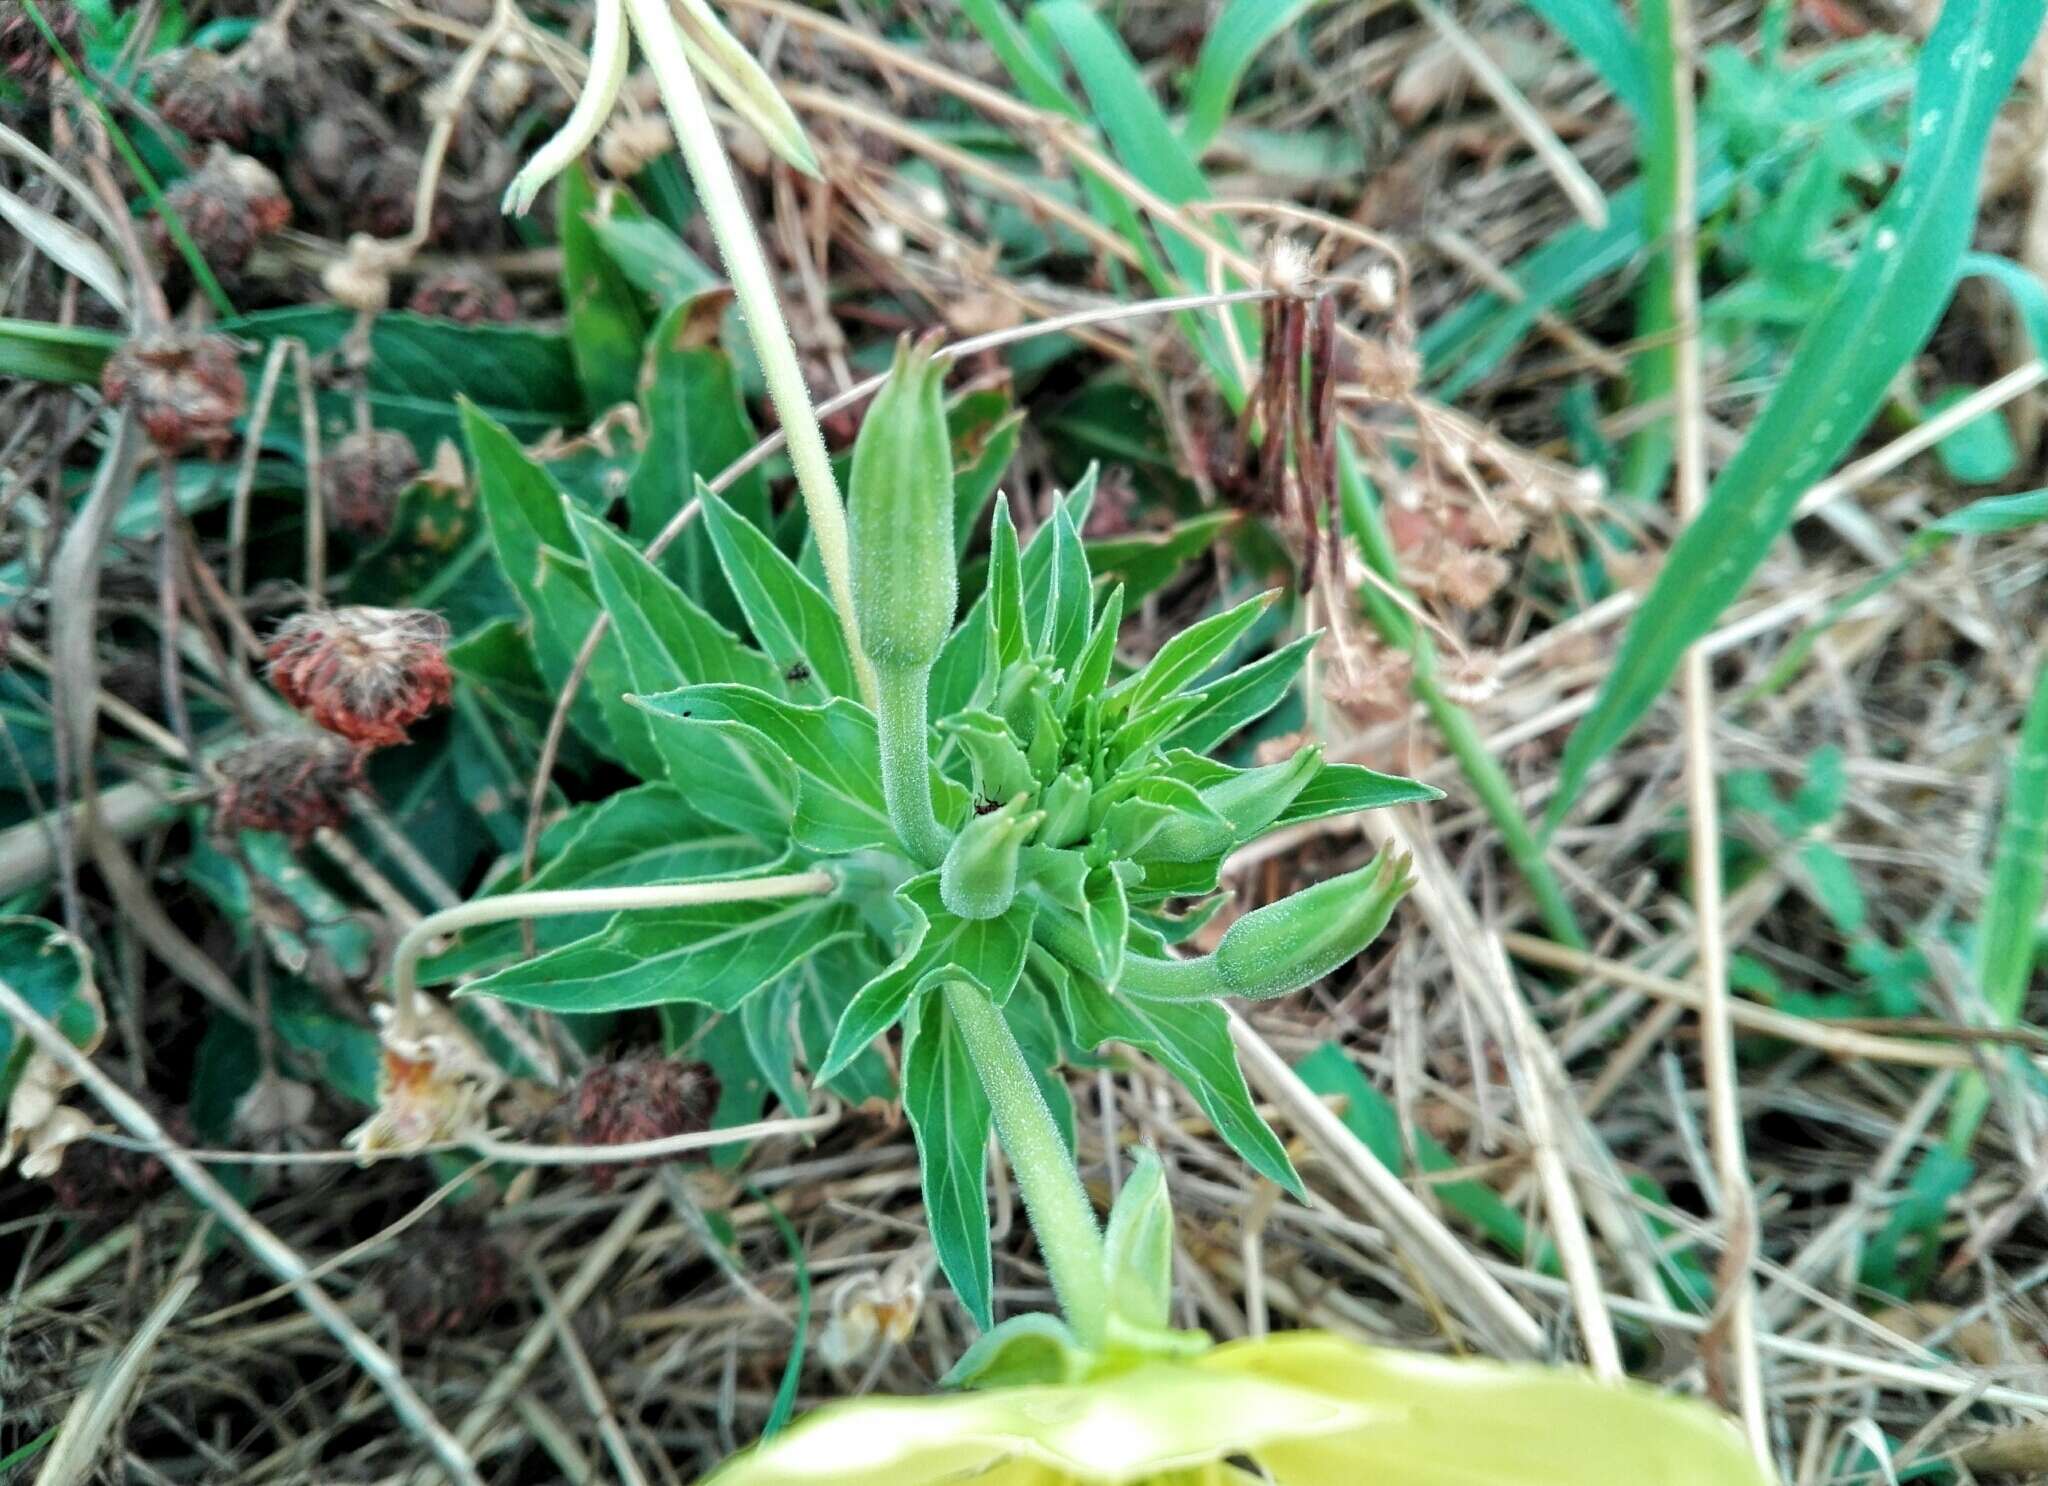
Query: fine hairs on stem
{"points": [[405, 959]]}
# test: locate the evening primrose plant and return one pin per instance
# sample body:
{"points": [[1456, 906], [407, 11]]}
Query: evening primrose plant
{"points": [[991, 832]]}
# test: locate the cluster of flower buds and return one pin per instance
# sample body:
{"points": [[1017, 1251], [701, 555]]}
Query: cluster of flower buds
{"points": [[185, 387], [640, 1098]]}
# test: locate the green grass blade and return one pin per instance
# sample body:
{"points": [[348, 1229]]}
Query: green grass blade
{"points": [[793, 1370], [1244, 30], [1654, 374], [1879, 317], [2019, 886], [37, 352], [1599, 32]]}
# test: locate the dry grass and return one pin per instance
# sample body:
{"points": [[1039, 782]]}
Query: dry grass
{"points": [[618, 1348]]}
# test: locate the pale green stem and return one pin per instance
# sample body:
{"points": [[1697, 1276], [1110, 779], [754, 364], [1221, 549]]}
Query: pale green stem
{"points": [[1172, 980], [1054, 1199], [747, 269], [901, 715], [405, 959]]}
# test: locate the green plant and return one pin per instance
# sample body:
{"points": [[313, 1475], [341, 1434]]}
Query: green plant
{"points": [[998, 881]]}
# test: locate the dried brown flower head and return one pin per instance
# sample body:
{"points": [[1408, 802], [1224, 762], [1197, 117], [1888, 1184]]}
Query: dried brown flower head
{"points": [[218, 99], [443, 1282], [296, 785], [364, 477], [228, 205], [186, 387], [365, 673], [640, 1098], [103, 1180], [467, 293], [26, 55]]}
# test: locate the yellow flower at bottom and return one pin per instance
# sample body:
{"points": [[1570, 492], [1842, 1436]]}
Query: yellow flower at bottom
{"points": [[1306, 1408]]}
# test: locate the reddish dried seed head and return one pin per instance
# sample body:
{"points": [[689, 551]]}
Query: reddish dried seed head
{"points": [[26, 55], [640, 1098], [185, 387], [216, 99], [468, 293], [364, 477], [296, 785], [443, 1282], [228, 205], [366, 674]]}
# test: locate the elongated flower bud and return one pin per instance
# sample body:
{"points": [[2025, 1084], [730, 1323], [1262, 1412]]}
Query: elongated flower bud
{"points": [[1066, 808], [1297, 941], [900, 517], [1253, 800], [979, 876]]}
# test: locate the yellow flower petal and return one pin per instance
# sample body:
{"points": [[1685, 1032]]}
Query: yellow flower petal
{"points": [[1454, 1423], [1132, 1427]]}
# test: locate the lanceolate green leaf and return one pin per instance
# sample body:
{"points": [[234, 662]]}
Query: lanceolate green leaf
{"points": [[51, 971], [714, 955], [635, 838], [1879, 317], [1241, 698], [950, 1115], [696, 426], [1343, 789], [1183, 660], [989, 952], [1192, 1039], [607, 321], [536, 544], [666, 639], [791, 619], [831, 749]]}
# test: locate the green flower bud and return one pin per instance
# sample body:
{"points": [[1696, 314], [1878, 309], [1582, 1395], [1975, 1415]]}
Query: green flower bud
{"points": [[979, 876], [1287, 945], [1253, 800], [1000, 768], [1066, 808], [900, 517]]}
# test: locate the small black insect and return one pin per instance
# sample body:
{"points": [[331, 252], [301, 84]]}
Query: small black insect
{"points": [[797, 674], [986, 807]]}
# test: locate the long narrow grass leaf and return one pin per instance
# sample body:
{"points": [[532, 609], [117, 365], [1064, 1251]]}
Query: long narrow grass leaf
{"points": [[1244, 30], [1600, 32], [1879, 316]]}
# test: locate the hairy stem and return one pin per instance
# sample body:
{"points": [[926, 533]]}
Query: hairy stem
{"points": [[747, 268], [405, 959], [901, 714], [1061, 1214], [1172, 980]]}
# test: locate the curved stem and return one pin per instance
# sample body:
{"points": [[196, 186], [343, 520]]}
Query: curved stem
{"points": [[405, 959], [747, 267], [901, 715], [1172, 980], [1054, 1199]]}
